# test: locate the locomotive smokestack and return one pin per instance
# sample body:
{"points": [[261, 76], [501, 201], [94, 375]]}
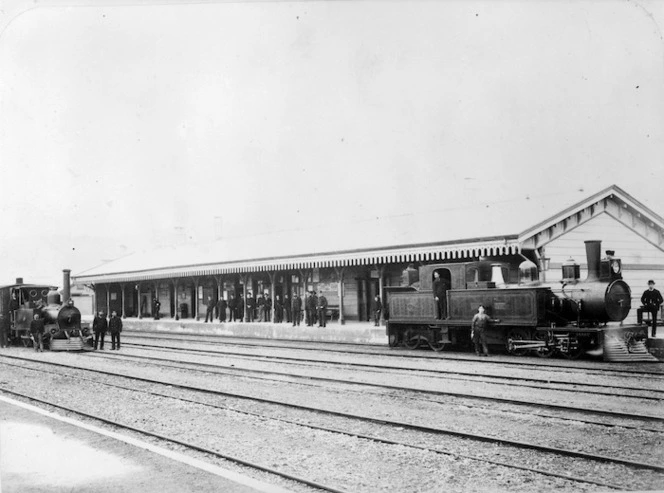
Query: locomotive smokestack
{"points": [[66, 288], [593, 253], [19, 280]]}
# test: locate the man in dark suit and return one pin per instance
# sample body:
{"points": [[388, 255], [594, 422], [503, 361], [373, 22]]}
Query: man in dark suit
{"points": [[209, 313], [100, 327], [287, 308], [37, 331], [651, 300], [321, 308], [115, 327], [239, 308], [296, 306], [5, 326], [278, 310], [155, 310], [232, 308], [377, 308], [251, 306], [440, 295], [221, 307], [261, 302]]}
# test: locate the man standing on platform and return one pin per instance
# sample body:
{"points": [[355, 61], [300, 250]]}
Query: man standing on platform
{"points": [[209, 313], [156, 306], [251, 306], [287, 308], [322, 310], [239, 308], [262, 308], [651, 300], [221, 306], [296, 307], [278, 310], [232, 308], [377, 309], [115, 327], [99, 327], [309, 307]]}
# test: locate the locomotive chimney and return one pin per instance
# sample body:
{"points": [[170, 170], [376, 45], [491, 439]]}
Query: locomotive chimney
{"points": [[19, 280], [593, 253], [66, 287]]}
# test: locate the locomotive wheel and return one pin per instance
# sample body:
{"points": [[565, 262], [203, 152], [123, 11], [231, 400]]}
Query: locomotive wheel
{"points": [[393, 340], [543, 352], [574, 353], [517, 335], [411, 340], [437, 346]]}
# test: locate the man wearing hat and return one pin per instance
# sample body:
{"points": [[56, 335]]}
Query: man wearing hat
{"points": [[651, 300]]}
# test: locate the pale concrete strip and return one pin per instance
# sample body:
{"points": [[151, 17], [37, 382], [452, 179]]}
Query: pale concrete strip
{"points": [[199, 464]]}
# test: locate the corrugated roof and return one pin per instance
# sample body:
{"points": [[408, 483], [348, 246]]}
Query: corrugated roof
{"points": [[465, 230]]}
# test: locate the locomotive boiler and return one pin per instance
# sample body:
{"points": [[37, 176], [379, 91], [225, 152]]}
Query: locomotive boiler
{"points": [[63, 329], [527, 317]]}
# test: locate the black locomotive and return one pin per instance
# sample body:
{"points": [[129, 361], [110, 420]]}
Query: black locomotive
{"points": [[63, 328], [526, 316]]}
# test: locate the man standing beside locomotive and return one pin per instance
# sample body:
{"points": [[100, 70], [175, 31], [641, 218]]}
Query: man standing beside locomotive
{"points": [[479, 325], [651, 299], [99, 327], [5, 326], [115, 327], [440, 295], [37, 331]]}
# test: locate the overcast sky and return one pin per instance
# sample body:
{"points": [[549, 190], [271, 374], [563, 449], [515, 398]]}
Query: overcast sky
{"points": [[124, 127]]}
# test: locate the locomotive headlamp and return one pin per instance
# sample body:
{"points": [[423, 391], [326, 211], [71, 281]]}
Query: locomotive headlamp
{"points": [[615, 266]]}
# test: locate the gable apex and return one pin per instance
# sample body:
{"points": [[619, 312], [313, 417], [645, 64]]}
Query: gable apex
{"points": [[613, 201]]}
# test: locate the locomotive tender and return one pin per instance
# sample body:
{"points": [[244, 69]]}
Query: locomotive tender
{"points": [[63, 330], [526, 315]]}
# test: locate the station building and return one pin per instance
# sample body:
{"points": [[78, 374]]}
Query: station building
{"points": [[350, 263]]}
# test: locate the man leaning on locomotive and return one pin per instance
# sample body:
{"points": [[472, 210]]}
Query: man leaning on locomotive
{"points": [[651, 300]]}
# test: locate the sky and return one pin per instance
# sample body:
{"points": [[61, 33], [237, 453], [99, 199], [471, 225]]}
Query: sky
{"points": [[124, 128]]}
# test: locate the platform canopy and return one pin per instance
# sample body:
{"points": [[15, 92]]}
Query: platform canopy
{"points": [[489, 228]]}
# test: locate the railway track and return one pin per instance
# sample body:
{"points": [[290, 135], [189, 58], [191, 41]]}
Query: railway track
{"points": [[176, 441], [231, 370], [655, 468], [596, 367], [291, 477], [515, 381]]}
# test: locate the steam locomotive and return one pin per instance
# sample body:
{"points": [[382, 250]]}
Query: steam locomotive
{"points": [[63, 330], [527, 317]]}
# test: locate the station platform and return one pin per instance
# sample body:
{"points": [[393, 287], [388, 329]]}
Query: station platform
{"points": [[351, 332], [44, 452]]}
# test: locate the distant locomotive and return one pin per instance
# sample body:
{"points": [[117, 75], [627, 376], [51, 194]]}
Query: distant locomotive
{"points": [[63, 330], [526, 316]]}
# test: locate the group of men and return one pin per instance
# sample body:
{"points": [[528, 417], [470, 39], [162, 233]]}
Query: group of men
{"points": [[101, 325], [260, 309]]}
